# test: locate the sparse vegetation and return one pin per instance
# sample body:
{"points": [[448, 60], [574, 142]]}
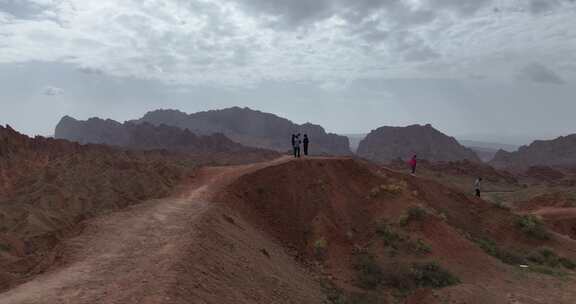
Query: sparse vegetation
{"points": [[369, 273], [547, 257], [413, 214], [401, 276], [321, 248], [388, 189], [506, 256], [432, 275], [389, 236], [335, 295], [4, 247], [547, 271], [420, 247], [533, 227], [396, 240]]}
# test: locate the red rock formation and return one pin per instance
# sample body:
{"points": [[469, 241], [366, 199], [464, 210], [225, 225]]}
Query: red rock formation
{"points": [[390, 143], [557, 152]]}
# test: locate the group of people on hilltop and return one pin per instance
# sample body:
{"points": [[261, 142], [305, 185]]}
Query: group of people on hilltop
{"points": [[297, 143], [413, 162]]}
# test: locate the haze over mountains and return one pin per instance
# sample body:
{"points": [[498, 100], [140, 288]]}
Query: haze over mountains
{"points": [[557, 152], [236, 129], [144, 136], [389, 143], [242, 125]]}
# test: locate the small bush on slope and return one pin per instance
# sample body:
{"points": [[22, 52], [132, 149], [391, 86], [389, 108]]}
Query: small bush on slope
{"points": [[401, 276], [395, 240], [431, 275], [507, 257], [413, 214], [369, 273], [533, 227]]}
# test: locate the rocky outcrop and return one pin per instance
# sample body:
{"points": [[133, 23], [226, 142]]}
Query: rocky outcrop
{"points": [[251, 128], [560, 152], [144, 136], [389, 143]]}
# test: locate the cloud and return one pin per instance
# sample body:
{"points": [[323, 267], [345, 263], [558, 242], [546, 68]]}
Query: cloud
{"points": [[540, 6], [52, 91], [539, 73], [243, 43]]}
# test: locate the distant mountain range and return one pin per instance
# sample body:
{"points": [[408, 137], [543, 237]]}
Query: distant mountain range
{"points": [[241, 125], [557, 152], [144, 136]]}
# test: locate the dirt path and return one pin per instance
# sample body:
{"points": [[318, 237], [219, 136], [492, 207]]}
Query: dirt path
{"points": [[130, 256]]}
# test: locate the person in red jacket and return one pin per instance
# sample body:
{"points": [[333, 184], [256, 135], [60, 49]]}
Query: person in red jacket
{"points": [[413, 162]]}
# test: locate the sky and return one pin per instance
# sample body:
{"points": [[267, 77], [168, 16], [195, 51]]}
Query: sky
{"points": [[491, 70]]}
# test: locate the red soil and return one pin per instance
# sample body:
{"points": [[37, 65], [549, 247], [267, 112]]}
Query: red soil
{"points": [[247, 235]]}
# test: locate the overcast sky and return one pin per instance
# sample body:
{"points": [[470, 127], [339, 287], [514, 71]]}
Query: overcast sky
{"points": [[480, 69]]}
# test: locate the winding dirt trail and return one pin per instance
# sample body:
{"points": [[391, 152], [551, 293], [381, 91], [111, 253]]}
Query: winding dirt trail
{"points": [[137, 255]]}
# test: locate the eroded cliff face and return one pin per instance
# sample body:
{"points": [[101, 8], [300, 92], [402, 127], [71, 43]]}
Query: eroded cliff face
{"points": [[145, 136], [389, 143], [559, 152], [252, 128]]}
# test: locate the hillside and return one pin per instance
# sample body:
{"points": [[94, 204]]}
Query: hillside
{"points": [[49, 186], [557, 152], [390, 143], [357, 234], [252, 128]]}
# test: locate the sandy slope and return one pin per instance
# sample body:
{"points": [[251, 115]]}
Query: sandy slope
{"points": [[157, 252]]}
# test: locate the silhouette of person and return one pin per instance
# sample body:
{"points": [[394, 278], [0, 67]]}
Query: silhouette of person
{"points": [[477, 185], [306, 141], [294, 144], [297, 144], [413, 162]]}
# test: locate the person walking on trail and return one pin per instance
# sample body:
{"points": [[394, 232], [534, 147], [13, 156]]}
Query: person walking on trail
{"points": [[306, 142], [477, 185], [413, 162]]}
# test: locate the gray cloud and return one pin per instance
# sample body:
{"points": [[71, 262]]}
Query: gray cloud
{"points": [[52, 91], [540, 6], [539, 73], [22, 9]]}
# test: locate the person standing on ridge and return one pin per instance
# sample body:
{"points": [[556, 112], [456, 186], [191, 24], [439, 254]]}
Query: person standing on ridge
{"points": [[294, 144], [297, 143], [306, 141], [477, 185], [413, 162]]}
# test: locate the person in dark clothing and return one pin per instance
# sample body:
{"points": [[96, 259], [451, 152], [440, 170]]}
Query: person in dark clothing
{"points": [[294, 144], [477, 185], [306, 141]]}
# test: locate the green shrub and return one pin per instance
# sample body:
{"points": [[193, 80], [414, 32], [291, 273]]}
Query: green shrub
{"points": [[390, 190], [431, 275], [548, 258], [505, 256], [369, 273], [567, 263], [421, 247], [413, 214], [547, 271], [389, 236], [321, 248], [533, 227], [4, 247], [399, 276]]}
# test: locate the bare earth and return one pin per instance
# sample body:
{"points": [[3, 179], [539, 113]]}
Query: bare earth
{"points": [[142, 255]]}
